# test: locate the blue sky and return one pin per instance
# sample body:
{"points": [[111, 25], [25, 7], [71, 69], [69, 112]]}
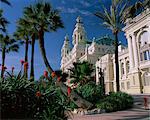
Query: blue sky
{"points": [[70, 9]]}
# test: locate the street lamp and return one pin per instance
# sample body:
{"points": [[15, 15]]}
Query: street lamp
{"points": [[101, 79]]}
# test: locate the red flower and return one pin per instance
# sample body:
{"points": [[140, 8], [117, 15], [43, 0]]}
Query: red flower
{"points": [[53, 74], [59, 78], [69, 91], [26, 65], [45, 74], [22, 62], [38, 94]]}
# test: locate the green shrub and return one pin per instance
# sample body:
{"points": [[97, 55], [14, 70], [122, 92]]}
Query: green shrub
{"points": [[116, 101], [72, 105], [22, 99], [90, 92]]}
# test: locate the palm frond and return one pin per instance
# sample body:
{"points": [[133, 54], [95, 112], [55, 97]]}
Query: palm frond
{"points": [[10, 44], [12, 48], [6, 1], [3, 21]]}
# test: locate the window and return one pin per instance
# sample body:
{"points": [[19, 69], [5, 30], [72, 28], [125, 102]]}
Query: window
{"points": [[122, 68], [75, 39], [133, 80], [128, 67], [147, 79], [122, 86], [146, 55], [128, 85], [143, 39], [81, 37]]}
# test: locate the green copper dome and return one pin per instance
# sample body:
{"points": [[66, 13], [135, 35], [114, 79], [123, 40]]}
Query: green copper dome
{"points": [[105, 40]]}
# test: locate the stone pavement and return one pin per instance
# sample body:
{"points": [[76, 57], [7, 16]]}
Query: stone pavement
{"points": [[131, 114], [136, 113]]}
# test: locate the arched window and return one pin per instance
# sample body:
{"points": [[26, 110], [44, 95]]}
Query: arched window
{"points": [[146, 55], [122, 68], [75, 37], [144, 39]]}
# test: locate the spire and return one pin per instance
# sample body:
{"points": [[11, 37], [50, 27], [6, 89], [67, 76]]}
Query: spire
{"points": [[79, 34], [66, 42], [66, 46], [66, 37]]}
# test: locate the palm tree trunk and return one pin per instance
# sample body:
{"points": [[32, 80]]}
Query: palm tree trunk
{"points": [[32, 58], [26, 56], [116, 62], [80, 102], [43, 52], [3, 61]]}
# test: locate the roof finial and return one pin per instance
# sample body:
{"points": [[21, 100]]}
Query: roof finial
{"points": [[66, 37], [79, 19]]}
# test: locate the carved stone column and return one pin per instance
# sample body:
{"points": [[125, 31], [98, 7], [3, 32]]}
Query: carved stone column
{"points": [[135, 52], [125, 67], [131, 61]]}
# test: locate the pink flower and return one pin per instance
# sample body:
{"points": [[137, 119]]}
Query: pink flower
{"points": [[45, 74]]}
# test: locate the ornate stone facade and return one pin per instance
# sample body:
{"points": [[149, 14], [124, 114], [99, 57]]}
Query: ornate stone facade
{"points": [[83, 50], [134, 60]]}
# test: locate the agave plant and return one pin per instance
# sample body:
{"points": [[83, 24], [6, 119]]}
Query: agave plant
{"points": [[22, 99]]}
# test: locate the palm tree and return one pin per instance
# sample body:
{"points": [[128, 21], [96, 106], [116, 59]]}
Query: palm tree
{"points": [[112, 19], [146, 4], [81, 72], [47, 19], [132, 10], [5, 1], [135, 9], [32, 57], [29, 17], [22, 33], [7, 45], [3, 22]]}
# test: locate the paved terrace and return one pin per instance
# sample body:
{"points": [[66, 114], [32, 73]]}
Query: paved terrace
{"points": [[136, 113], [131, 114]]}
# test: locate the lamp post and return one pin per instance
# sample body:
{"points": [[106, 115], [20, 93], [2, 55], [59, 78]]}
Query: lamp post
{"points": [[101, 79]]}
